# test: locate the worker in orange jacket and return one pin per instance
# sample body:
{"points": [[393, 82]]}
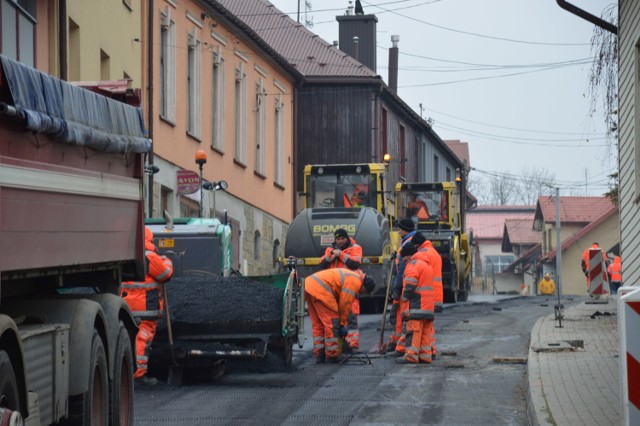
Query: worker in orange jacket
{"points": [[346, 253], [584, 261], [429, 254], [406, 230], [329, 295], [147, 304], [615, 274], [418, 309]]}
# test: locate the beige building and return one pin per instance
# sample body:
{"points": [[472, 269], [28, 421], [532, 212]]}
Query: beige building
{"points": [[583, 221], [217, 88]]}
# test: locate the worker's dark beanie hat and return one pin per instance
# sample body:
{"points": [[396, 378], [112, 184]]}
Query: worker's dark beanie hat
{"points": [[341, 233], [408, 250], [418, 239], [406, 225]]}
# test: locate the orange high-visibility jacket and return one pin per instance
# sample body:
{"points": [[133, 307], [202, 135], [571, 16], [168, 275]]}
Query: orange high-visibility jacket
{"points": [[418, 293], [336, 288], [615, 269], [429, 254], [350, 257], [145, 297]]}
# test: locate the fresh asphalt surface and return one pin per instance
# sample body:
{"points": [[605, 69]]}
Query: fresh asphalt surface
{"points": [[479, 377]]}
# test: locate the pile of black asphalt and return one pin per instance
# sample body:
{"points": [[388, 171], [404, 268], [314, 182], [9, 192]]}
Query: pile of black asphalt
{"points": [[231, 303]]}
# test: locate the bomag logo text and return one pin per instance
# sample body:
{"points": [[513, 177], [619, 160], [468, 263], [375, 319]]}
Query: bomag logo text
{"points": [[324, 229]]}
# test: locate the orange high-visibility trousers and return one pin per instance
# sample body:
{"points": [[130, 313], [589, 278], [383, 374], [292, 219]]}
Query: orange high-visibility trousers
{"points": [[324, 325], [418, 341], [144, 338]]}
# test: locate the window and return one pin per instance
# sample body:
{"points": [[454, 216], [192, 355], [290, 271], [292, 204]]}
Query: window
{"points": [[436, 168], [279, 143], [256, 245], [240, 115], [194, 96], [403, 153], [260, 123], [275, 254], [498, 263], [74, 51], [384, 133], [165, 199], [217, 119], [105, 66], [18, 30], [447, 173], [189, 208], [167, 66]]}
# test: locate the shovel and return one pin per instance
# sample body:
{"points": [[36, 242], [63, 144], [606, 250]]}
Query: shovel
{"points": [[175, 370], [381, 347]]}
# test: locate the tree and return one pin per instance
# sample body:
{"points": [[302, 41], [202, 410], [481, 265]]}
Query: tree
{"points": [[603, 80], [534, 183], [501, 189]]}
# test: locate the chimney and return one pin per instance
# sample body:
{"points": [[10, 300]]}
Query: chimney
{"points": [[354, 48], [362, 26], [393, 63]]}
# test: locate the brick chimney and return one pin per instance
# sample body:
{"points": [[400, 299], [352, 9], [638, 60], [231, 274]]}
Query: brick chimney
{"points": [[364, 28], [393, 63]]}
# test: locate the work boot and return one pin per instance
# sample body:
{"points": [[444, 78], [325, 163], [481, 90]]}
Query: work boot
{"points": [[146, 380], [403, 360], [391, 348], [320, 359], [398, 353], [334, 360]]}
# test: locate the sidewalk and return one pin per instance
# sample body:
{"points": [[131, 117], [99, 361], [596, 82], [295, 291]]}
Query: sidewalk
{"points": [[574, 370]]}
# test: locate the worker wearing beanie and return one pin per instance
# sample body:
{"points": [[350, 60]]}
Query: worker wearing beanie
{"points": [[418, 306], [329, 295], [346, 253], [428, 253], [406, 229], [146, 303]]}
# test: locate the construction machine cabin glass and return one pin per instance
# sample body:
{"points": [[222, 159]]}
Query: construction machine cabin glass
{"points": [[346, 186], [427, 204]]}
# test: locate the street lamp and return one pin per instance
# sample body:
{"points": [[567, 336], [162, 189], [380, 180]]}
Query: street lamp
{"points": [[201, 159], [215, 186]]}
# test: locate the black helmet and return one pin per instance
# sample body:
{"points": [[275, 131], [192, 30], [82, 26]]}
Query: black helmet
{"points": [[368, 283]]}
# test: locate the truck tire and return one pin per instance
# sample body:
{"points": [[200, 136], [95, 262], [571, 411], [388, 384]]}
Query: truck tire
{"points": [[121, 387], [92, 407], [9, 396]]}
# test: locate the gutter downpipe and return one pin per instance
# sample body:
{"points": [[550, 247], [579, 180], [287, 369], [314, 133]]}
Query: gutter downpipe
{"points": [[150, 102], [62, 42], [587, 16]]}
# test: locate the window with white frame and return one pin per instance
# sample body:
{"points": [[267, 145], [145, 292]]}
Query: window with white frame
{"points": [[194, 95], [260, 124], [279, 175], [167, 66], [217, 99], [498, 263], [17, 30], [240, 137]]}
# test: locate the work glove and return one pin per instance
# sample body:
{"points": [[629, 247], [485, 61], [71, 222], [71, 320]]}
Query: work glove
{"points": [[395, 295], [343, 331]]}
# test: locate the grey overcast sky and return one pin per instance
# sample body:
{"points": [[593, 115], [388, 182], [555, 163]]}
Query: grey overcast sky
{"points": [[510, 77]]}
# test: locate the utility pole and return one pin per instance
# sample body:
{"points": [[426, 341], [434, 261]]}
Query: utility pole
{"points": [[558, 260]]}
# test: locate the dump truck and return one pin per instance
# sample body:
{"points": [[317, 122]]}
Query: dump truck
{"points": [[349, 196], [71, 209], [215, 315], [438, 211]]}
